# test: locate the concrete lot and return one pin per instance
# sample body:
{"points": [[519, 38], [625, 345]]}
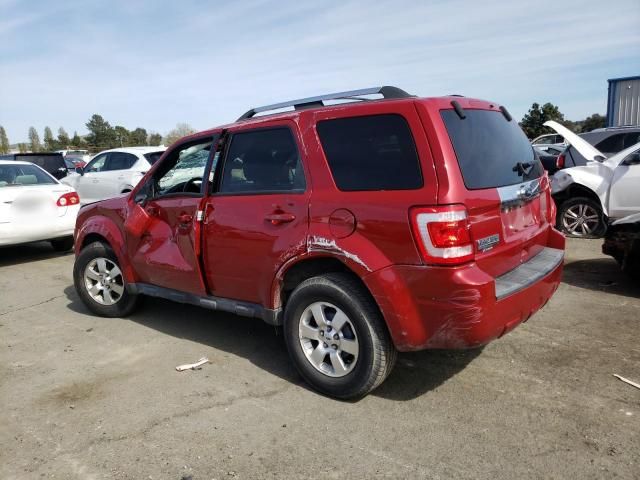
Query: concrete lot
{"points": [[86, 397]]}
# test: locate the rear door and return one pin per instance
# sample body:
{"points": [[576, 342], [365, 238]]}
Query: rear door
{"points": [[116, 174], [257, 216], [505, 188]]}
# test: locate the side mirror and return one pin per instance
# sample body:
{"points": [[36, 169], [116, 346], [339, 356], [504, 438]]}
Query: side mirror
{"points": [[142, 195], [79, 171], [633, 159]]}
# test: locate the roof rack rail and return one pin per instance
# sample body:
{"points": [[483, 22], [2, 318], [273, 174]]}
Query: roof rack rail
{"points": [[311, 102]]}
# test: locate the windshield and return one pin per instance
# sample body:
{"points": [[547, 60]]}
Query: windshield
{"points": [[491, 151], [21, 175]]}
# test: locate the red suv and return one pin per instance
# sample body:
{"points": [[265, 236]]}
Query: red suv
{"points": [[362, 226]]}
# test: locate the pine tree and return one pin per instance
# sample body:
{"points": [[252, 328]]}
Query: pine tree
{"points": [[4, 141], [34, 140], [49, 142]]}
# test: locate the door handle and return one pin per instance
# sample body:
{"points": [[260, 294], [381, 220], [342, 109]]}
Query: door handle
{"points": [[96, 181], [185, 219], [280, 218]]}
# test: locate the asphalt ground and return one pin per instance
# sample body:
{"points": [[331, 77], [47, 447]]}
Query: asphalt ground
{"points": [[83, 397]]}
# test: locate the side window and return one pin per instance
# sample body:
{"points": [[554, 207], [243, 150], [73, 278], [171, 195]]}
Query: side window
{"points": [[546, 140], [97, 164], [262, 161], [371, 153], [183, 170], [631, 139], [613, 144], [120, 161]]}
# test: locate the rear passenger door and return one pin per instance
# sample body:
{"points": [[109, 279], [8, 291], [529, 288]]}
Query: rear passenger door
{"points": [[116, 176], [257, 215]]}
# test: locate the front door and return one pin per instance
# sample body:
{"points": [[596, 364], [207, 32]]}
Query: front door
{"points": [[88, 185], [163, 234], [257, 217], [624, 193]]}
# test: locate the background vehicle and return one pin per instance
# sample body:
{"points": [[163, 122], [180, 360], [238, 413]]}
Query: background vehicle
{"points": [[79, 157], [410, 238], [609, 141], [604, 189], [34, 206], [549, 140], [622, 242], [113, 172], [549, 157], [52, 163]]}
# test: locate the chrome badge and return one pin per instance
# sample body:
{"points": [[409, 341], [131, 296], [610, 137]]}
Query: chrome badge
{"points": [[488, 243]]}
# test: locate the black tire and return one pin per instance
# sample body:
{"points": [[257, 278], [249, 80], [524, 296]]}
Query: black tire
{"points": [[125, 304], [630, 261], [596, 228], [376, 352], [62, 244]]}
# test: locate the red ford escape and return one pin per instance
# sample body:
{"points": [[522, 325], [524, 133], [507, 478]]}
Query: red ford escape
{"points": [[362, 226]]}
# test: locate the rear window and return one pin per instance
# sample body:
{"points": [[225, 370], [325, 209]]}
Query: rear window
{"points": [[374, 152], [491, 151], [21, 175], [153, 157], [50, 163]]}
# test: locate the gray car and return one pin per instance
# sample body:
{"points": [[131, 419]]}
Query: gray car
{"points": [[608, 140]]}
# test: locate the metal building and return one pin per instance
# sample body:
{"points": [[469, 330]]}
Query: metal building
{"points": [[623, 106]]}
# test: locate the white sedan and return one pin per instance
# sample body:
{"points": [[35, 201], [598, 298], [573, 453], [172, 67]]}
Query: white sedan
{"points": [[113, 172], [34, 206]]}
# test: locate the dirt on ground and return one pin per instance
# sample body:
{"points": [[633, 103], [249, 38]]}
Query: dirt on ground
{"points": [[84, 397]]}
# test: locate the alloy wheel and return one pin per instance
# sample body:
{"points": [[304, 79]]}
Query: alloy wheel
{"points": [[581, 220], [104, 281], [328, 339]]}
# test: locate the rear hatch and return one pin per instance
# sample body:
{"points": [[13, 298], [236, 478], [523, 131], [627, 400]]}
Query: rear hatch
{"points": [[505, 190]]}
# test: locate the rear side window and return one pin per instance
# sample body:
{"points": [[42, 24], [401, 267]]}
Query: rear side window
{"points": [[613, 144], [374, 152], [120, 161], [491, 151], [152, 157], [263, 161]]}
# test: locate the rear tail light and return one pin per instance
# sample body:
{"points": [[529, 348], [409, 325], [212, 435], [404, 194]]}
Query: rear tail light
{"points": [[68, 199], [442, 234], [560, 161]]}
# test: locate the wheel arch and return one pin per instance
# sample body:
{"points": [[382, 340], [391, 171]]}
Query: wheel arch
{"points": [[578, 190]]}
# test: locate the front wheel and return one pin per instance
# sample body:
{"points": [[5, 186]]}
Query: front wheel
{"points": [[337, 337], [581, 217], [100, 283]]}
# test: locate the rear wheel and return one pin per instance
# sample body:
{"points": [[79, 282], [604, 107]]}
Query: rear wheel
{"points": [[581, 217], [100, 283], [337, 337], [62, 244]]}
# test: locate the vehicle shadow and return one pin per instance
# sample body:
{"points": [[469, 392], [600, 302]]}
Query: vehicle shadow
{"points": [[29, 252], [415, 374], [600, 274]]}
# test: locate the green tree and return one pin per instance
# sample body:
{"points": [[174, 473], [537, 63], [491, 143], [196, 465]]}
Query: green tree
{"points": [[155, 139], [101, 134], [181, 130], [76, 141], [63, 138], [4, 141], [22, 147], [34, 140], [533, 122], [592, 122], [49, 142], [138, 137], [122, 136]]}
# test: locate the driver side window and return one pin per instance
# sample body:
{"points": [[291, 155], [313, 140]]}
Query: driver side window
{"points": [[97, 164], [184, 170]]}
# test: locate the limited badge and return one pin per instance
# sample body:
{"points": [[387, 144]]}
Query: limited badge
{"points": [[487, 243]]}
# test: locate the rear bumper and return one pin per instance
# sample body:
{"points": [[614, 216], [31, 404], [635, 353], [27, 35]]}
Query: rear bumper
{"points": [[463, 307], [44, 229]]}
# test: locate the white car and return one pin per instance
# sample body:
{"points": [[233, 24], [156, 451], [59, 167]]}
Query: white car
{"points": [[544, 142], [604, 189], [113, 172], [34, 206]]}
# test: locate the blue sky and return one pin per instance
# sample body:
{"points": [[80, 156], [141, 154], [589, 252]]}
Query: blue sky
{"points": [[156, 63]]}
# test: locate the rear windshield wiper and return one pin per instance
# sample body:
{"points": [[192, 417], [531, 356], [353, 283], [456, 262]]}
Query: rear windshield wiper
{"points": [[523, 168]]}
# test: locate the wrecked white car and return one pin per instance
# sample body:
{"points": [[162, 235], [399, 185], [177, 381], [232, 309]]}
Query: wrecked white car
{"points": [[590, 196]]}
